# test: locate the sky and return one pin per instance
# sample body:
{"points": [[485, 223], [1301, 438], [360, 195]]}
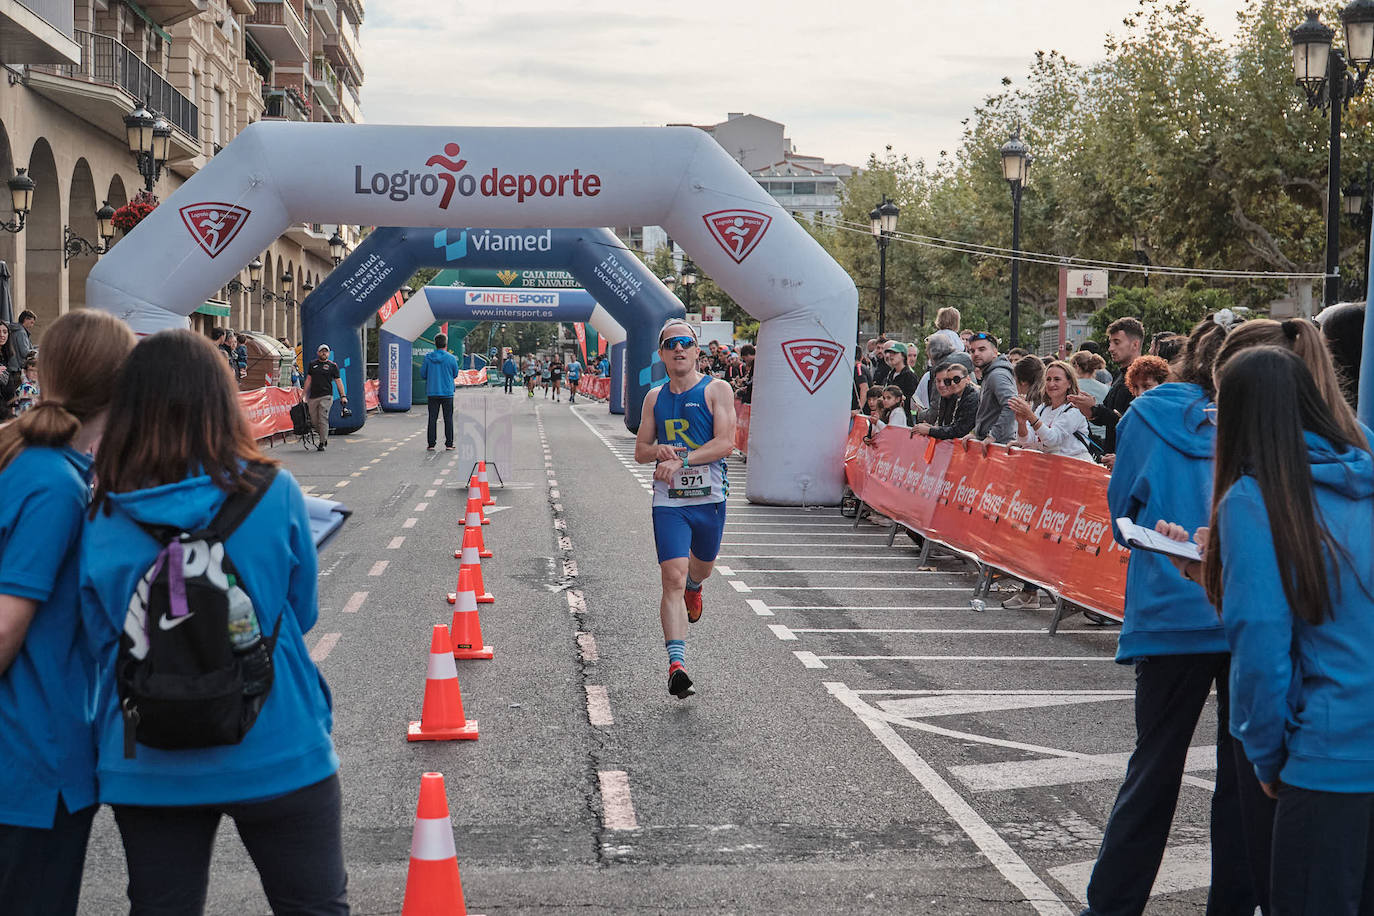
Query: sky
{"points": [[846, 78]]}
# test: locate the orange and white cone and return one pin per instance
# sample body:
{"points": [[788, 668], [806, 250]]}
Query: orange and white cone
{"points": [[441, 718], [475, 497], [467, 626], [433, 887], [473, 522], [472, 564], [484, 484]]}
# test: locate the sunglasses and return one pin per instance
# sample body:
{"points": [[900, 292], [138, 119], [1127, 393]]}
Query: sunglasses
{"points": [[981, 335], [674, 343], [950, 382]]}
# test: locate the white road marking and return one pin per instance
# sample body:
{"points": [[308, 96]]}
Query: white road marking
{"points": [[396, 542], [598, 706], [377, 460], [409, 523], [859, 572], [341, 483], [725, 570], [782, 632], [968, 658], [429, 494], [962, 702], [420, 507], [552, 482], [858, 588], [738, 586], [904, 608], [326, 645], [492, 510], [617, 812], [554, 494], [355, 602], [569, 567], [308, 488], [576, 603], [586, 644], [445, 471], [1057, 771], [379, 567], [438, 483], [1184, 868], [356, 474], [933, 631], [997, 851], [809, 659], [759, 607]]}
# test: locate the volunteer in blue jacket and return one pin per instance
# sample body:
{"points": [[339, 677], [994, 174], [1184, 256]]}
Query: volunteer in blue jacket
{"points": [[439, 370], [574, 376], [169, 457], [510, 369], [1172, 636], [47, 746], [1288, 563]]}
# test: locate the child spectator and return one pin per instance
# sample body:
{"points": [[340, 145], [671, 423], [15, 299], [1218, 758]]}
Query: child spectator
{"points": [[1146, 372], [29, 390]]}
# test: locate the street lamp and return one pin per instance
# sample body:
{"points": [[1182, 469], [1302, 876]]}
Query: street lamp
{"points": [[150, 140], [254, 275], [337, 247], [1016, 161], [1323, 73], [689, 279], [669, 281], [74, 245], [882, 222], [21, 198], [1356, 205]]}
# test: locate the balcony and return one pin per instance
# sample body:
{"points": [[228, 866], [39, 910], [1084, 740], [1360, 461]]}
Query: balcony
{"points": [[342, 47], [349, 110], [353, 9], [169, 12], [325, 82], [37, 32], [243, 7], [284, 103], [108, 83], [279, 31], [326, 13]]}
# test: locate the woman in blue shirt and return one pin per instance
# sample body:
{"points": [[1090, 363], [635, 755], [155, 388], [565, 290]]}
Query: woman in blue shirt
{"points": [[47, 759], [170, 457], [1288, 563]]}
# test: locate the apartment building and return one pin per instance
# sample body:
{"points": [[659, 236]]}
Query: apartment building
{"points": [[74, 69]]}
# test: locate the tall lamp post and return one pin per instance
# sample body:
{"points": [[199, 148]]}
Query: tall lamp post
{"points": [[150, 140], [1323, 72], [1016, 159], [1356, 205], [689, 279], [882, 222]]}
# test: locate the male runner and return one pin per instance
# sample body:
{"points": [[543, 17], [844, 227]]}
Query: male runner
{"points": [[687, 428]]}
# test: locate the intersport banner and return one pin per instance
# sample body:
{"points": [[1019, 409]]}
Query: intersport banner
{"points": [[1042, 518]]}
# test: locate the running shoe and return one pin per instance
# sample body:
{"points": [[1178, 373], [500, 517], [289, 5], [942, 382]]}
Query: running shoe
{"points": [[1022, 600], [692, 598], [679, 684]]}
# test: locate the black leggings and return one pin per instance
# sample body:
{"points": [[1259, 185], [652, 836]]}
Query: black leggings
{"points": [[295, 841]]}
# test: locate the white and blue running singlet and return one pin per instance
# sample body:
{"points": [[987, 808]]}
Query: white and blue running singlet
{"points": [[685, 420]]}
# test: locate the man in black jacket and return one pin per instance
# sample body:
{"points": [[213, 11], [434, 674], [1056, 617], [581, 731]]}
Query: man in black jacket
{"points": [[954, 413], [1125, 336]]}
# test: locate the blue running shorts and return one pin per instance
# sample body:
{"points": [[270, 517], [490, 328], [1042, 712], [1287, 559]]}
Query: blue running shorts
{"points": [[676, 528]]}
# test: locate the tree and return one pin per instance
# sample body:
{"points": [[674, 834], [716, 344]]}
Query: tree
{"points": [[1176, 310]]}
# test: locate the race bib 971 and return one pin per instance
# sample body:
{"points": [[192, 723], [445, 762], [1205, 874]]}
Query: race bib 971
{"points": [[688, 483]]}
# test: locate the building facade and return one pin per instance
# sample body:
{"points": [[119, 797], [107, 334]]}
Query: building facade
{"points": [[75, 69]]}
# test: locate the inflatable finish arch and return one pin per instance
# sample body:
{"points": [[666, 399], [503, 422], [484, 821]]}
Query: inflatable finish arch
{"points": [[278, 173], [453, 303]]}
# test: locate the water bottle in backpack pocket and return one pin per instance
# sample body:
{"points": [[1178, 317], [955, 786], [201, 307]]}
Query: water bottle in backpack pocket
{"points": [[194, 667]]}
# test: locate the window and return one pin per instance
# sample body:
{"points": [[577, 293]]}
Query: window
{"points": [[803, 187], [217, 119]]}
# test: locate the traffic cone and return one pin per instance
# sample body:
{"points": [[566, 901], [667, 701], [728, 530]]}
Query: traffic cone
{"points": [[473, 564], [467, 626], [441, 718], [486, 487], [433, 887], [472, 520], [475, 497]]}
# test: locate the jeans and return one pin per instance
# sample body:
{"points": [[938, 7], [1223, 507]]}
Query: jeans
{"points": [[319, 416], [295, 841], [40, 870], [510, 383], [1323, 854], [1170, 691], [437, 404]]}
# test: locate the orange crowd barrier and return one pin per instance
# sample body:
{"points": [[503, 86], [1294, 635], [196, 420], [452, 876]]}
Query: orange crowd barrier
{"points": [[595, 387], [470, 377], [269, 410], [1042, 518], [741, 427], [371, 397]]}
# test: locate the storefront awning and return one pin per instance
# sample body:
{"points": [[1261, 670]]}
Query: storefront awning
{"points": [[217, 309]]}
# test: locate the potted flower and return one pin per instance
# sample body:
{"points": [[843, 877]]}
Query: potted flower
{"points": [[135, 211]]}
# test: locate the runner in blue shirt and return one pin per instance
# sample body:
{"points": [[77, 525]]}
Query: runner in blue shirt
{"points": [[574, 376], [47, 752], [687, 429]]}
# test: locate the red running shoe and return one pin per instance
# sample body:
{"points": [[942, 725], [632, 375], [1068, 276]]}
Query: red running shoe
{"points": [[692, 597], [679, 684]]}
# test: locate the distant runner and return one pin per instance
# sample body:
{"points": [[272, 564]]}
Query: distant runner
{"points": [[687, 428], [574, 376]]}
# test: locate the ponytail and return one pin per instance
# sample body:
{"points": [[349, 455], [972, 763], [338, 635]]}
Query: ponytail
{"points": [[46, 423]]}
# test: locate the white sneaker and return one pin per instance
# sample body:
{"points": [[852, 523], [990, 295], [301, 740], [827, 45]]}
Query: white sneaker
{"points": [[1022, 600]]}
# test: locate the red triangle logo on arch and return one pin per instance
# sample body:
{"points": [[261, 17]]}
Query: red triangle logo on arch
{"points": [[738, 231], [214, 225], [812, 360]]}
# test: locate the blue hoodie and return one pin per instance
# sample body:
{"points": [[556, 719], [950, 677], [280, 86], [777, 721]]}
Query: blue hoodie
{"points": [[439, 370], [288, 747], [1163, 470], [47, 747], [509, 367], [1300, 694]]}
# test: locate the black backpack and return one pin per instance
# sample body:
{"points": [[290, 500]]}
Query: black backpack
{"points": [[194, 667]]}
